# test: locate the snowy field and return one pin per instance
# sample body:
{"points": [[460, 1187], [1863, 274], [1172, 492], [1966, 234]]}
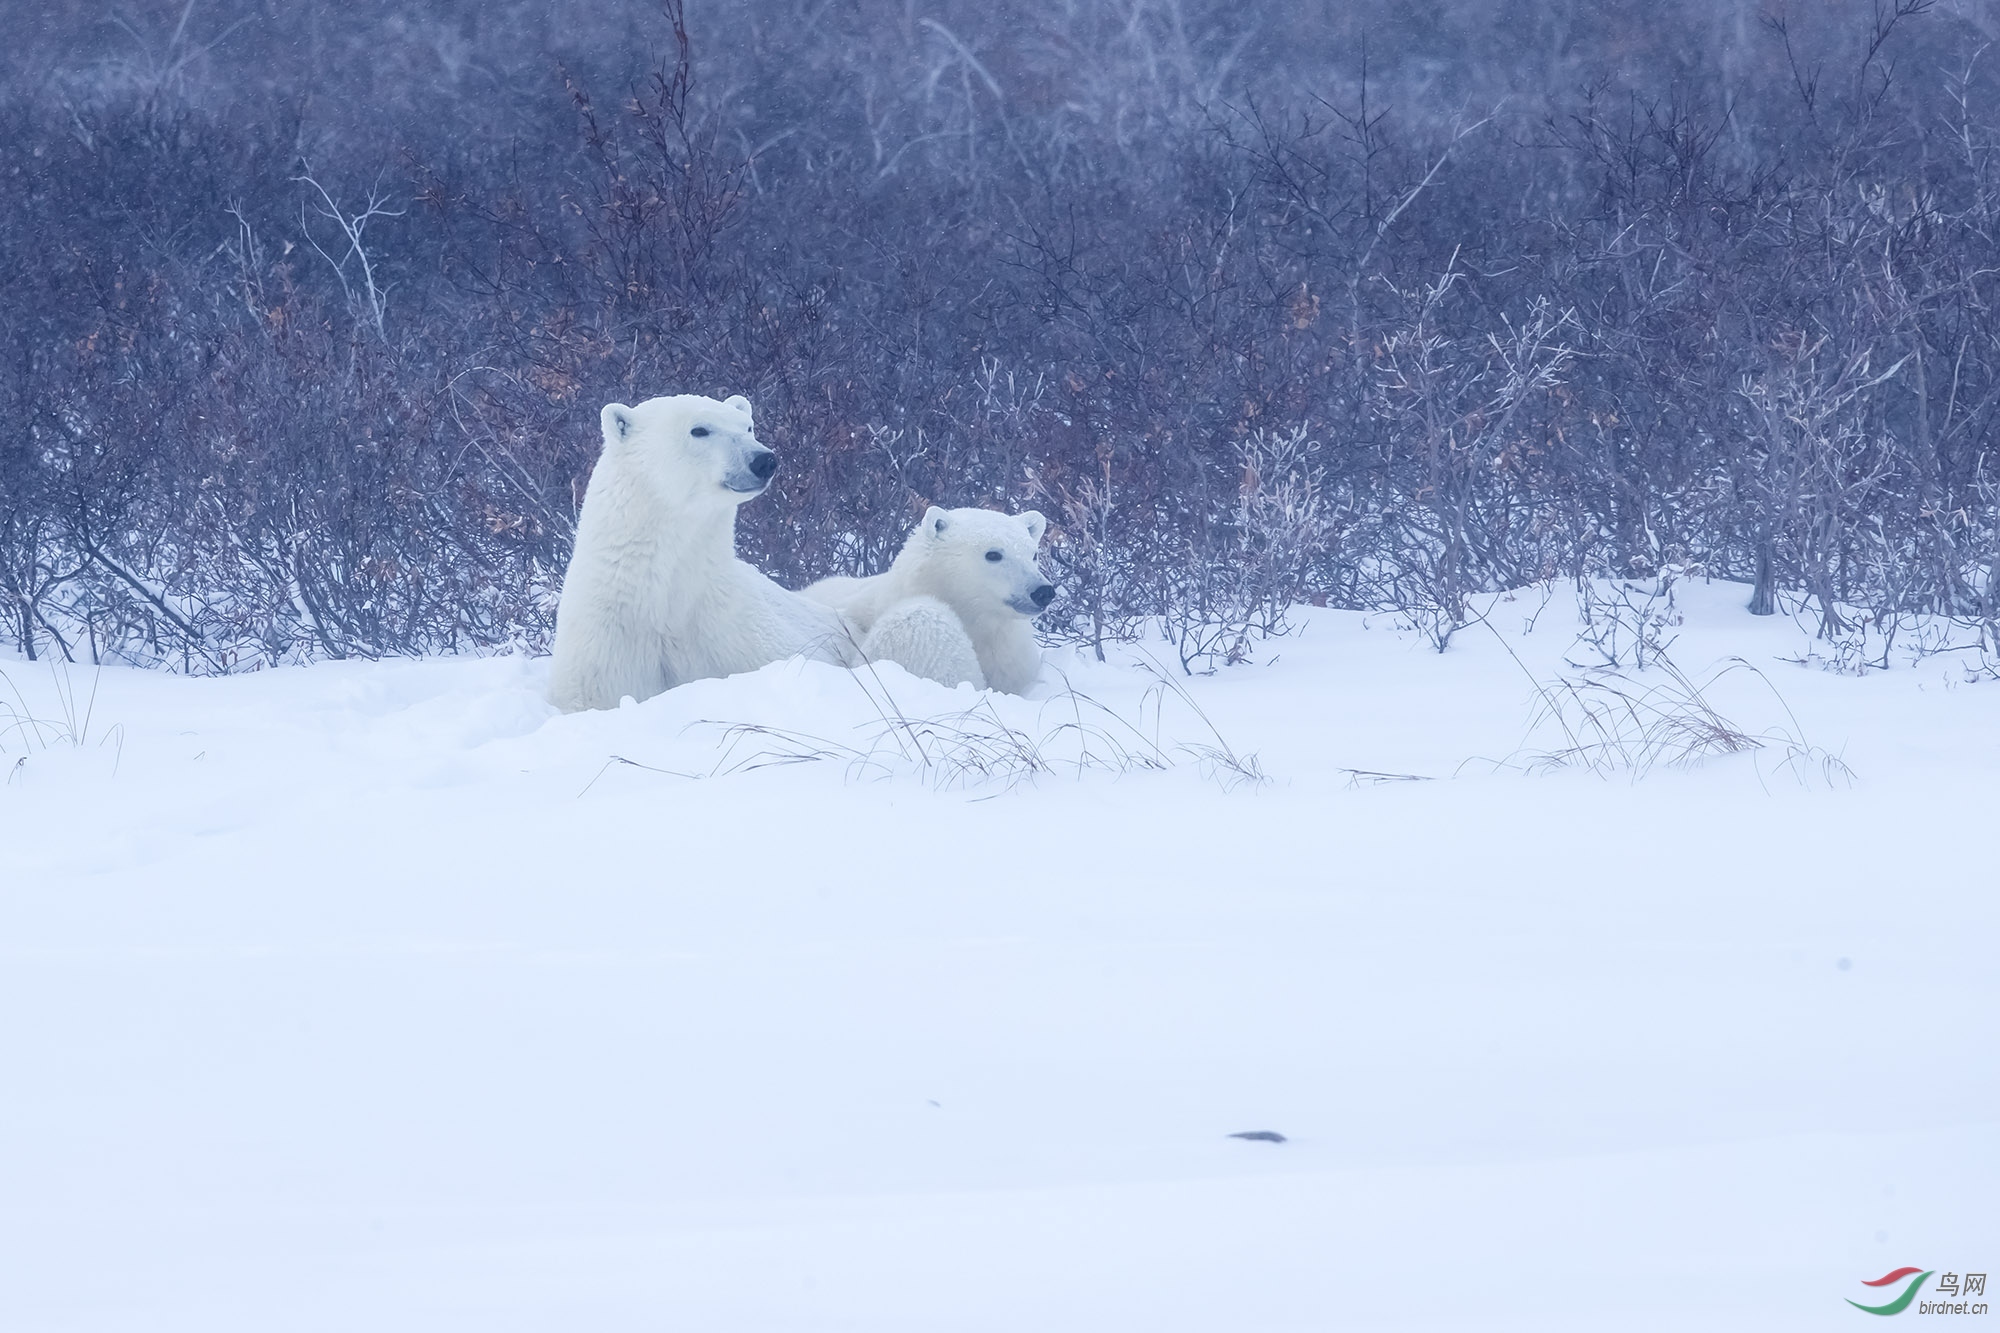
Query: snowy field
{"points": [[375, 996]]}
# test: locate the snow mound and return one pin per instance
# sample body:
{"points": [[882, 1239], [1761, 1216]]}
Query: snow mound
{"points": [[380, 995]]}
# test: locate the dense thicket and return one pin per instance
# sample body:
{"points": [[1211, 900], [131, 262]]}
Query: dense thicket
{"points": [[307, 312]]}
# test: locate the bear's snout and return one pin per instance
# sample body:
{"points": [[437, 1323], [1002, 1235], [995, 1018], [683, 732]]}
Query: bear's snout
{"points": [[763, 465], [1043, 595]]}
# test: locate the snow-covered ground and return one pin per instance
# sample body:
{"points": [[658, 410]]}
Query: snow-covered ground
{"points": [[375, 996]]}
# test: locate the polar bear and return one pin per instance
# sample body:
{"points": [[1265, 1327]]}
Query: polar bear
{"points": [[655, 595], [977, 565]]}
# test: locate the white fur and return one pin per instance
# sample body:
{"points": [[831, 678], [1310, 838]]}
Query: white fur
{"points": [[655, 595], [926, 638], [945, 559]]}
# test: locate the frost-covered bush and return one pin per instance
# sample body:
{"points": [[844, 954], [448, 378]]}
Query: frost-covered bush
{"points": [[1254, 322]]}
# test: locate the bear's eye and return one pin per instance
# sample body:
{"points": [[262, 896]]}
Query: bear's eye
{"points": [[699, 431], [994, 556]]}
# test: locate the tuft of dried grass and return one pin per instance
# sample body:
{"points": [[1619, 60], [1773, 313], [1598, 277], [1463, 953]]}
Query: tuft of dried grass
{"points": [[1074, 734], [1612, 723], [23, 729], [976, 747]]}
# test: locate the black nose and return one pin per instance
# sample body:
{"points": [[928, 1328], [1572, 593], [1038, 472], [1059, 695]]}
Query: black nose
{"points": [[1043, 595], [763, 465]]}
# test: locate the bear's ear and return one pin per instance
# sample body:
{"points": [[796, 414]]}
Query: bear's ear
{"points": [[1035, 524], [740, 403], [935, 521], [616, 420]]}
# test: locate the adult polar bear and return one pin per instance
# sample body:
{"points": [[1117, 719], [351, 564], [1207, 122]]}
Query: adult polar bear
{"points": [[964, 573], [655, 595]]}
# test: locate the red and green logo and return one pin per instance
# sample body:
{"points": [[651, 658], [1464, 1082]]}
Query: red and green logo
{"points": [[1901, 1302]]}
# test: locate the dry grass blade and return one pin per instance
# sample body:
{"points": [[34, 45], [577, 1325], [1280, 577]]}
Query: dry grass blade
{"points": [[1368, 777], [618, 759]]}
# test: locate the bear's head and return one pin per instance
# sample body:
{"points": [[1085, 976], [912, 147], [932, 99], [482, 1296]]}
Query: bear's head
{"points": [[693, 450], [988, 555]]}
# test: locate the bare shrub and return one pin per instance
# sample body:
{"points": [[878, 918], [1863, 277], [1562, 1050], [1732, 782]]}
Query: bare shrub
{"points": [[1284, 530], [1460, 399], [1626, 622], [1255, 317]]}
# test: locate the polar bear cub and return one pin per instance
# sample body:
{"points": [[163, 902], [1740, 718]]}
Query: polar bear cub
{"points": [[977, 568], [655, 595]]}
